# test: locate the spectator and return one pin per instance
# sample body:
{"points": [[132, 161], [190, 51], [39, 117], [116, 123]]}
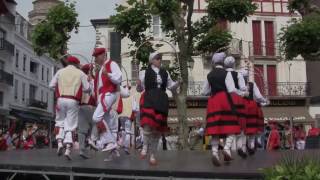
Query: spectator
{"points": [[313, 131], [3, 142], [274, 137], [288, 144], [300, 137], [196, 136]]}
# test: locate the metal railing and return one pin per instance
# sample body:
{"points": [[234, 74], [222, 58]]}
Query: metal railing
{"points": [[6, 78], [300, 89], [7, 46], [280, 89], [264, 49], [37, 104]]}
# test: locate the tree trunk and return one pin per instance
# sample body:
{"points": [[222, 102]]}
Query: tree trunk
{"points": [[184, 56]]}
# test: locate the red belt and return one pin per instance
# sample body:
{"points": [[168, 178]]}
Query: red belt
{"points": [[70, 97]]}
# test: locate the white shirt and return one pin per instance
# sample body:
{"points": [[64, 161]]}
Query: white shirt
{"points": [[86, 86], [115, 75], [228, 82], [257, 96], [241, 83], [171, 85]]}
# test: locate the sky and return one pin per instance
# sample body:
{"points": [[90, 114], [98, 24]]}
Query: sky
{"points": [[83, 42]]}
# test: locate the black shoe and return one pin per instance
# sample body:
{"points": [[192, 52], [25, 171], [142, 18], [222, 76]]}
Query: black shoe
{"points": [[242, 154], [226, 156], [251, 151], [215, 161]]}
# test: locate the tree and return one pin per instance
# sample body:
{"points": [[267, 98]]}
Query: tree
{"points": [[202, 36], [51, 35], [302, 36]]}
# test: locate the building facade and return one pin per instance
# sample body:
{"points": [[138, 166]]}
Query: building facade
{"points": [[32, 98], [40, 10], [7, 29], [255, 46]]}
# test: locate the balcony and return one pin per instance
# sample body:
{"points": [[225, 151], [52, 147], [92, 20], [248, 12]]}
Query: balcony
{"points": [[288, 89], [279, 89], [6, 46], [269, 50], [6, 78], [37, 104]]}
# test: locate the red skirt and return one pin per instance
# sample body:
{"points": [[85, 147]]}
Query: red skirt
{"points": [[221, 119], [251, 123], [260, 121], [148, 116]]}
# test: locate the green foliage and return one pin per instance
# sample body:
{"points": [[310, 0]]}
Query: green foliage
{"points": [[165, 9], [231, 10], [302, 38], [294, 168], [213, 40], [132, 21], [51, 36]]}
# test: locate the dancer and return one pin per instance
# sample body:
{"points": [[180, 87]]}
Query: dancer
{"points": [[107, 84], [154, 104], [222, 118], [69, 83]]}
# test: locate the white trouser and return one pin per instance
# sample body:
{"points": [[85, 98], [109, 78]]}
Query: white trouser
{"points": [[151, 139], [215, 140], [126, 131], [59, 123], [86, 125], [242, 141], [109, 117], [300, 144], [68, 110]]}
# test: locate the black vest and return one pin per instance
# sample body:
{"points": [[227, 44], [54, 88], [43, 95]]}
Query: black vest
{"points": [[251, 90], [235, 78], [216, 79], [155, 97], [150, 79]]}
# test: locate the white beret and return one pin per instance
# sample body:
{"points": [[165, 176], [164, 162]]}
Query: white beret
{"points": [[218, 57], [152, 56], [229, 61]]}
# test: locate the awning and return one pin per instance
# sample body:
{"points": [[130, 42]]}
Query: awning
{"points": [[298, 113]]}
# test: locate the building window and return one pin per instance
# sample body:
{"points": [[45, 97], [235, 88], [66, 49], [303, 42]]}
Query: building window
{"points": [[2, 37], [266, 78], [1, 98], [17, 58], [47, 99], [1, 69], [42, 95], [47, 75], [33, 67], [16, 84], [23, 91], [42, 72], [32, 91], [156, 26], [24, 62], [270, 38], [257, 37]]}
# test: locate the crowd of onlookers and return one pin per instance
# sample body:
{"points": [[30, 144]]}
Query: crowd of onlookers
{"points": [[24, 136], [276, 136]]}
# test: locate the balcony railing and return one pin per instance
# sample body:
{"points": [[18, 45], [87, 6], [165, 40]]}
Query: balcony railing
{"points": [[264, 49], [37, 104], [6, 78], [283, 89], [7, 46], [279, 89]]}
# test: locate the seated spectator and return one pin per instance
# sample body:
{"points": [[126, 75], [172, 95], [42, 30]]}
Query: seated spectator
{"points": [[300, 137]]}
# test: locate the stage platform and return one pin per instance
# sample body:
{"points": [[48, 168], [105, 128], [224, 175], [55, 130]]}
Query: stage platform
{"points": [[172, 165]]}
